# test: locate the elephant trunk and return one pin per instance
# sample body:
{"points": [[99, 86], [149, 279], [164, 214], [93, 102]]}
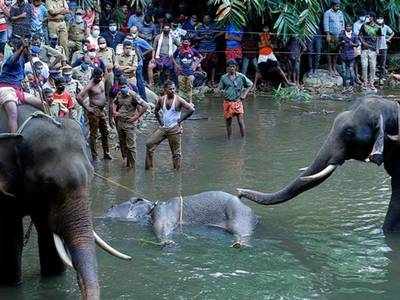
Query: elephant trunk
{"points": [[323, 166], [76, 230]]}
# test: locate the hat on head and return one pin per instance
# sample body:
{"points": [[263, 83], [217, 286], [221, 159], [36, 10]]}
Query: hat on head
{"points": [[53, 36], [335, 2]]}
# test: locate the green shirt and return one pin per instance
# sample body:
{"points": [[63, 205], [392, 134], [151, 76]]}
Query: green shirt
{"points": [[232, 89]]}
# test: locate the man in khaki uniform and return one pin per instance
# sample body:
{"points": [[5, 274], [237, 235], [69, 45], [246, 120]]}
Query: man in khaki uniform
{"points": [[76, 32], [57, 10], [82, 73], [73, 87], [128, 107], [106, 54], [127, 62]]}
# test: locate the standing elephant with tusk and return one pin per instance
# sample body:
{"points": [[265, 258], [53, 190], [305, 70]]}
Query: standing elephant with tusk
{"points": [[45, 173], [369, 131]]}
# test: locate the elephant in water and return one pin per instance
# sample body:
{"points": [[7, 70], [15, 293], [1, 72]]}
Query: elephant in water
{"points": [[369, 131], [214, 208], [45, 173]]}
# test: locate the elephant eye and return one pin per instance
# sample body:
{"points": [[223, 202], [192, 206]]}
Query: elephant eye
{"points": [[349, 132]]}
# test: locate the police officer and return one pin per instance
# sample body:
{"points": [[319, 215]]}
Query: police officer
{"points": [[106, 54], [57, 10], [82, 73], [76, 32], [128, 107], [127, 62]]}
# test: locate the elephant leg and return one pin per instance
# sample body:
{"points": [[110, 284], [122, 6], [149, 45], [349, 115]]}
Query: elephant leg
{"points": [[50, 262], [11, 244], [392, 219]]}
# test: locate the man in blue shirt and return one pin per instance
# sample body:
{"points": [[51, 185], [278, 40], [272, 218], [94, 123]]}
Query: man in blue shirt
{"points": [[148, 30], [233, 37], [136, 19], [113, 36], [39, 14], [185, 59], [333, 27], [11, 77], [206, 35], [142, 49]]}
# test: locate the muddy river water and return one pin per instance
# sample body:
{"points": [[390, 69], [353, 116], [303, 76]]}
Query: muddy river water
{"points": [[325, 244]]}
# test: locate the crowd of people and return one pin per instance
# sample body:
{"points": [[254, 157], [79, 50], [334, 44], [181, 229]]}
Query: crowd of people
{"points": [[97, 65]]}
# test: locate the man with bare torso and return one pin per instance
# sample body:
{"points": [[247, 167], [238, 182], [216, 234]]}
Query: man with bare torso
{"points": [[95, 90], [174, 110]]}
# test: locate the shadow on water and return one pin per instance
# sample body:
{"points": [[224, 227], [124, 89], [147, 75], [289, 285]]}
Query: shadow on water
{"points": [[325, 244]]}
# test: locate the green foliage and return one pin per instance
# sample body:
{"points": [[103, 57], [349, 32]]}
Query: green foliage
{"points": [[95, 3], [290, 93], [300, 17]]}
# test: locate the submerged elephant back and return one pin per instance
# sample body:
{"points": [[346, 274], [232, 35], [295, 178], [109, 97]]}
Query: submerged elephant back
{"points": [[213, 208]]}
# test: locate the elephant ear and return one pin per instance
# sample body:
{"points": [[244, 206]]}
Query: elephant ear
{"points": [[8, 161]]}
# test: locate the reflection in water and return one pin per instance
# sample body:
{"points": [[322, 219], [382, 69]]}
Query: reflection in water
{"points": [[325, 244]]}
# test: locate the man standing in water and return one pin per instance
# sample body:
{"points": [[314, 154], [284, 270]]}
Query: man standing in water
{"points": [[170, 122], [128, 108], [95, 111], [234, 86]]}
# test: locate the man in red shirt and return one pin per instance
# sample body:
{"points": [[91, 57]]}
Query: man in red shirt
{"points": [[63, 97]]}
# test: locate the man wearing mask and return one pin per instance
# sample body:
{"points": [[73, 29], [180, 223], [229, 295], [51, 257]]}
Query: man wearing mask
{"points": [[63, 97], [333, 26], [127, 62], [93, 37], [369, 34], [35, 51], [39, 15], [92, 59], [113, 36], [57, 10], [136, 19], [81, 52], [163, 57], [128, 108], [386, 36], [82, 73], [76, 32], [21, 17], [95, 91], [106, 54]]}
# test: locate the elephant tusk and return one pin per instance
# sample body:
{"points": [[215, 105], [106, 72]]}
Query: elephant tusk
{"points": [[327, 171], [103, 245], [394, 138], [62, 252]]}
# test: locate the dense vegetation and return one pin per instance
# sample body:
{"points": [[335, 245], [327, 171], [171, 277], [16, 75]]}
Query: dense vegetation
{"points": [[300, 16]]}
